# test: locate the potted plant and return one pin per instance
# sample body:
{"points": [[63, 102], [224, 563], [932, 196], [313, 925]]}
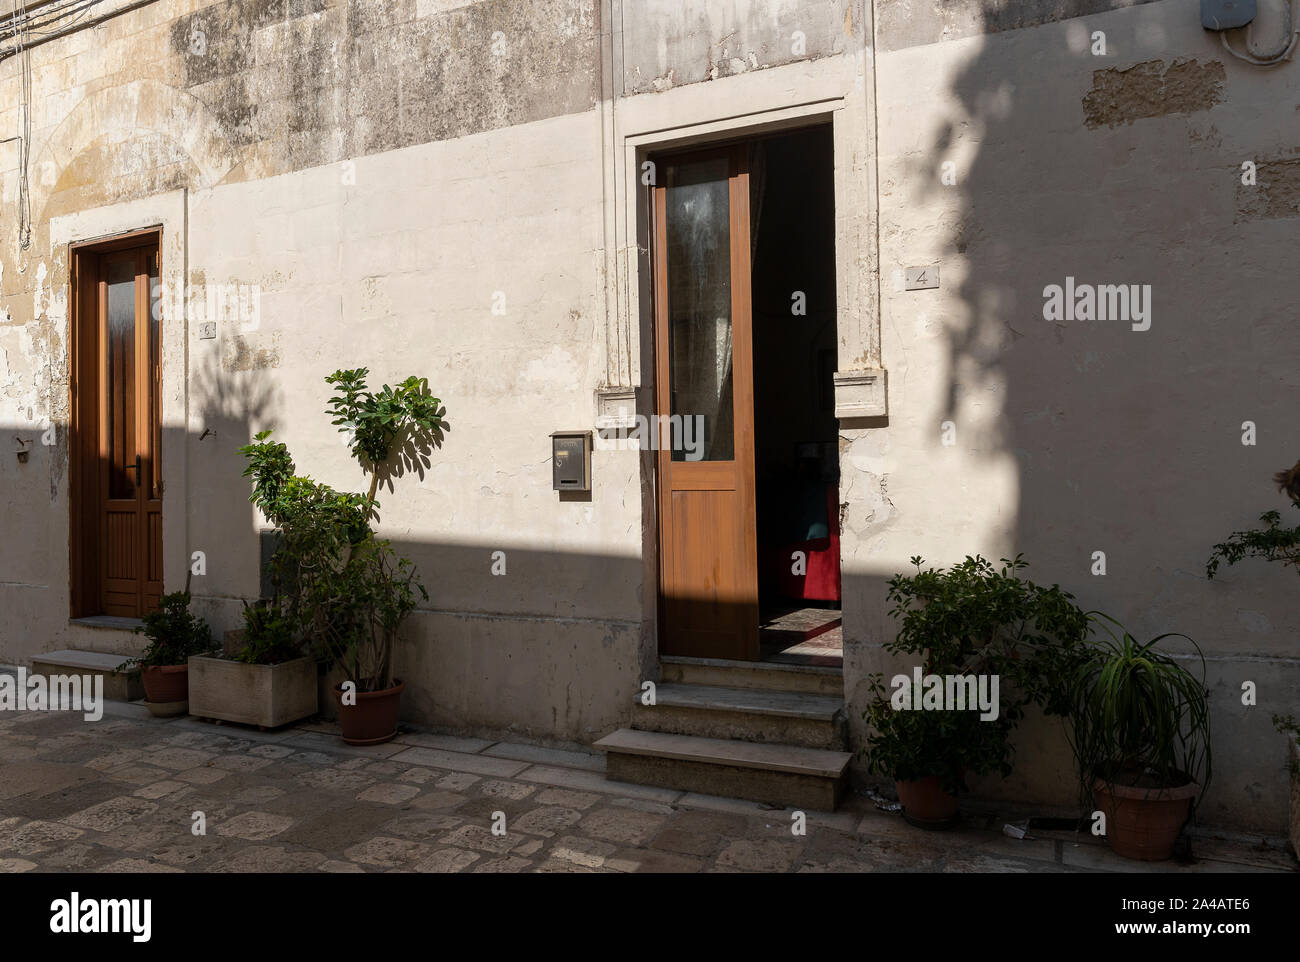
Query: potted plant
{"points": [[174, 634], [270, 681], [345, 586], [988, 630], [1140, 730], [376, 592]]}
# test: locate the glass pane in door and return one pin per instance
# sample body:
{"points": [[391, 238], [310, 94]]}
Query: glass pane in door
{"points": [[155, 377], [698, 232], [119, 381]]}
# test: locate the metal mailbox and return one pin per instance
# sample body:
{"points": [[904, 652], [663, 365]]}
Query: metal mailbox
{"points": [[571, 460]]}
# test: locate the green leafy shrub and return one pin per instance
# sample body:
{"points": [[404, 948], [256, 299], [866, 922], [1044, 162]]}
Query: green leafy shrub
{"points": [[270, 636], [174, 633], [972, 619]]}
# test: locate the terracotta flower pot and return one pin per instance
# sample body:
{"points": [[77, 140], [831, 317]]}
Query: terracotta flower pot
{"points": [[926, 804], [166, 683], [1143, 823], [373, 719]]}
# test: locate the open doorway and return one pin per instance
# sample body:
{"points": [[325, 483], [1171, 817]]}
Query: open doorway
{"points": [[745, 350], [796, 457]]}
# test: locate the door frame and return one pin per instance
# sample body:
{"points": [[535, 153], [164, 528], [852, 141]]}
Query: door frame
{"points": [[84, 538], [742, 470]]}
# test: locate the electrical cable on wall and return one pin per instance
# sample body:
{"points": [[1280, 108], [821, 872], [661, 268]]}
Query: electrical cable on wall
{"points": [[25, 145], [1290, 35], [24, 138]]}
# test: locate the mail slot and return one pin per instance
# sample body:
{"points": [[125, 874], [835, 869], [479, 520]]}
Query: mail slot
{"points": [[571, 460]]}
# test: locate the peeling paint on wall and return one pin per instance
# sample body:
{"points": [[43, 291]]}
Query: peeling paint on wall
{"points": [[326, 81], [1276, 192], [1152, 89], [251, 353]]}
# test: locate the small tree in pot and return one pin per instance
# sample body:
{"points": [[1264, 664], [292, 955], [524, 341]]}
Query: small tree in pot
{"points": [[347, 589], [970, 621], [1141, 737]]}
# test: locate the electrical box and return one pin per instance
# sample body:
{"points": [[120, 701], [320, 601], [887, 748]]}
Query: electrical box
{"points": [[1226, 14], [571, 460]]}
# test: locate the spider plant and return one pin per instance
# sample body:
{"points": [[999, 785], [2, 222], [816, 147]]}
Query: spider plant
{"points": [[1139, 717]]}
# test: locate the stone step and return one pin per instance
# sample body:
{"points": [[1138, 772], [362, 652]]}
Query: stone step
{"points": [[748, 714], [813, 679], [784, 775], [118, 686]]}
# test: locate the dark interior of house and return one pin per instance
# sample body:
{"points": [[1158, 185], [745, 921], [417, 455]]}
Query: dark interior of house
{"points": [[792, 225]]}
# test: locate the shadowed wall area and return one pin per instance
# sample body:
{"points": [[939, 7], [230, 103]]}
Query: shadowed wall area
{"points": [[1080, 436]]}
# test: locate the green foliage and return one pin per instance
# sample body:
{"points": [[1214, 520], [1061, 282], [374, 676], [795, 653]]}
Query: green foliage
{"points": [[1139, 717], [317, 527], [376, 422], [1271, 542], [270, 635], [290, 500], [174, 634], [337, 589], [976, 618], [911, 745], [372, 595], [972, 619]]}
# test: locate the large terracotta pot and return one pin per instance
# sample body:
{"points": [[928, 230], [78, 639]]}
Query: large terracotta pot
{"points": [[1143, 823], [926, 804], [166, 683], [373, 719]]}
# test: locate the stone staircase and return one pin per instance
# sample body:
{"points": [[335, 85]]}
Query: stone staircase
{"points": [[767, 732], [118, 685]]}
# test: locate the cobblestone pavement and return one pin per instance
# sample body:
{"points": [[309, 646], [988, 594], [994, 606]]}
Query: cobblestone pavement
{"points": [[118, 795]]}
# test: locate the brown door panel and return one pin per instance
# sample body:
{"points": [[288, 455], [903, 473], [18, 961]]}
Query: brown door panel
{"points": [[117, 514], [704, 369]]}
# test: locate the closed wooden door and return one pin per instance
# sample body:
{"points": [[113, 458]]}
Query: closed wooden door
{"points": [[128, 492], [704, 385]]}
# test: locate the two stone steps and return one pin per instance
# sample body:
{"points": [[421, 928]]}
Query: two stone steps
{"points": [[118, 685], [755, 730], [746, 714]]}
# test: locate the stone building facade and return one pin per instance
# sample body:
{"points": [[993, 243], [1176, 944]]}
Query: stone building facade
{"points": [[457, 189]]}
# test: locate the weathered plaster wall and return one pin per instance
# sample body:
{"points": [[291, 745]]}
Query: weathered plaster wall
{"points": [[386, 174], [668, 43], [1079, 436], [382, 168], [407, 281]]}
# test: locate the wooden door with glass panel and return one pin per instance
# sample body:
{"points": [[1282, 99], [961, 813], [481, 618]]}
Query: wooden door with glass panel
{"points": [[708, 567], [129, 437]]}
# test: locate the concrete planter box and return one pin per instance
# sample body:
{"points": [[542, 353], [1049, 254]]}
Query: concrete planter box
{"points": [[264, 695]]}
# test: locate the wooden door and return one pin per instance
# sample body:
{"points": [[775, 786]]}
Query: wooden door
{"points": [[708, 568], [121, 433]]}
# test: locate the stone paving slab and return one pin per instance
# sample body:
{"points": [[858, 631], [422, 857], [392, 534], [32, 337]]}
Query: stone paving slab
{"points": [[120, 795], [587, 761]]}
